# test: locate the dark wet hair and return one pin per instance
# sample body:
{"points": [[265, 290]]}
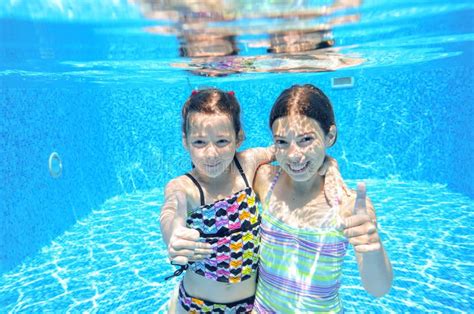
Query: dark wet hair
{"points": [[306, 100], [212, 100]]}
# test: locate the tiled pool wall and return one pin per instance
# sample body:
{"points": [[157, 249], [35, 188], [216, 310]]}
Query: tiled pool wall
{"points": [[397, 124], [35, 207]]}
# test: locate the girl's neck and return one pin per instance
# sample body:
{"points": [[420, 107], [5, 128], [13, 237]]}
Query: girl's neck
{"points": [[221, 180], [306, 188]]}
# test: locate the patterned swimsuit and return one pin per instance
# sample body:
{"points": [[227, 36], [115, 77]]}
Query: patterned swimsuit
{"points": [[231, 226]]}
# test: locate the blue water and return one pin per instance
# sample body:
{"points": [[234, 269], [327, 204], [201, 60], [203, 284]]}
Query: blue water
{"points": [[114, 259], [85, 80]]}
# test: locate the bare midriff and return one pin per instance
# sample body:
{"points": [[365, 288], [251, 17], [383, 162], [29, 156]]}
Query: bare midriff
{"points": [[203, 288]]}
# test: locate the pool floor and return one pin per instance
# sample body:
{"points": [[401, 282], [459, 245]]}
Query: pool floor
{"points": [[114, 259]]}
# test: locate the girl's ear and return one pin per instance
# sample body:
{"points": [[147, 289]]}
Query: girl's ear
{"points": [[184, 141], [331, 136], [240, 138]]}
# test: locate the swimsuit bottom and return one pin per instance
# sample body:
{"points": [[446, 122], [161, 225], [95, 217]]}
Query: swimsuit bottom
{"points": [[194, 305]]}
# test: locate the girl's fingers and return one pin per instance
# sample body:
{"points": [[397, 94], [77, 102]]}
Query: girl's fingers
{"points": [[203, 251], [179, 260], [186, 253], [190, 254], [203, 246], [356, 220], [182, 257], [181, 244], [367, 228], [186, 238], [364, 239], [187, 233], [365, 248], [198, 257], [354, 232], [372, 228], [189, 249]]}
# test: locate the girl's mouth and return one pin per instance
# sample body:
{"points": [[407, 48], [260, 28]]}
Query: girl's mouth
{"points": [[298, 168], [213, 166]]}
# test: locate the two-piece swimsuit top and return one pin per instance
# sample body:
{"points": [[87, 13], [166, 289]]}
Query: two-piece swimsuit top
{"points": [[231, 225]]}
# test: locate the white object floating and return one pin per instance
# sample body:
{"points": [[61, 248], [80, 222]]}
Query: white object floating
{"points": [[55, 165], [342, 82]]}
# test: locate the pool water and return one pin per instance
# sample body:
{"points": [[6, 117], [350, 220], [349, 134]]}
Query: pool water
{"points": [[97, 85], [115, 260]]}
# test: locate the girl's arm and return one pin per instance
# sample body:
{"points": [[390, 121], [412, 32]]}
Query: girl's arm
{"points": [[167, 213], [255, 157], [183, 243], [361, 230]]}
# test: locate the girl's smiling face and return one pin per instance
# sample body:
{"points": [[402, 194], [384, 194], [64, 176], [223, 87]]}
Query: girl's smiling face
{"points": [[300, 145], [211, 142]]}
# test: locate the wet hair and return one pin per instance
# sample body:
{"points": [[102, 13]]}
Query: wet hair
{"points": [[212, 100], [306, 100]]}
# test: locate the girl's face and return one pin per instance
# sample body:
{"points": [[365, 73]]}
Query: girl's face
{"points": [[211, 142], [300, 145]]}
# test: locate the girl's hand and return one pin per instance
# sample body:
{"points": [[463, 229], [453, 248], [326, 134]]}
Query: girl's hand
{"points": [[184, 245], [359, 228]]}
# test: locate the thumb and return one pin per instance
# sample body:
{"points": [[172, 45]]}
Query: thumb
{"points": [[360, 206]]}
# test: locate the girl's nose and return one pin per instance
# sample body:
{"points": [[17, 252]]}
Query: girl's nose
{"points": [[212, 151], [294, 153]]}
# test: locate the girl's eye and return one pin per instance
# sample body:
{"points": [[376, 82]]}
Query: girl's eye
{"points": [[222, 142], [198, 143], [305, 141], [280, 142]]}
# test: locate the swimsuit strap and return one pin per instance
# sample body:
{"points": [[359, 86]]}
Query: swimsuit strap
{"points": [[177, 272], [272, 186], [242, 173], [201, 192]]}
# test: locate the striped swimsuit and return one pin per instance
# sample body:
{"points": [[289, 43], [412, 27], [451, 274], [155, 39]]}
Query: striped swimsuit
{"points": [[300, 269]]}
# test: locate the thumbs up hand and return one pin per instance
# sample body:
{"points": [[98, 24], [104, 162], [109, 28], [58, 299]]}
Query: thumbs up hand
{"points": [[359, 228], [184, 245]]}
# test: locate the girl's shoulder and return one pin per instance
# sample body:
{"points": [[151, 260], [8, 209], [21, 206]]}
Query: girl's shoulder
{"points": [[181, 184]]}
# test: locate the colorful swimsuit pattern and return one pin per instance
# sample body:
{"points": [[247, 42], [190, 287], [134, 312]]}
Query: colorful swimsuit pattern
{"points": [[231, 226], [195, 305]]}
